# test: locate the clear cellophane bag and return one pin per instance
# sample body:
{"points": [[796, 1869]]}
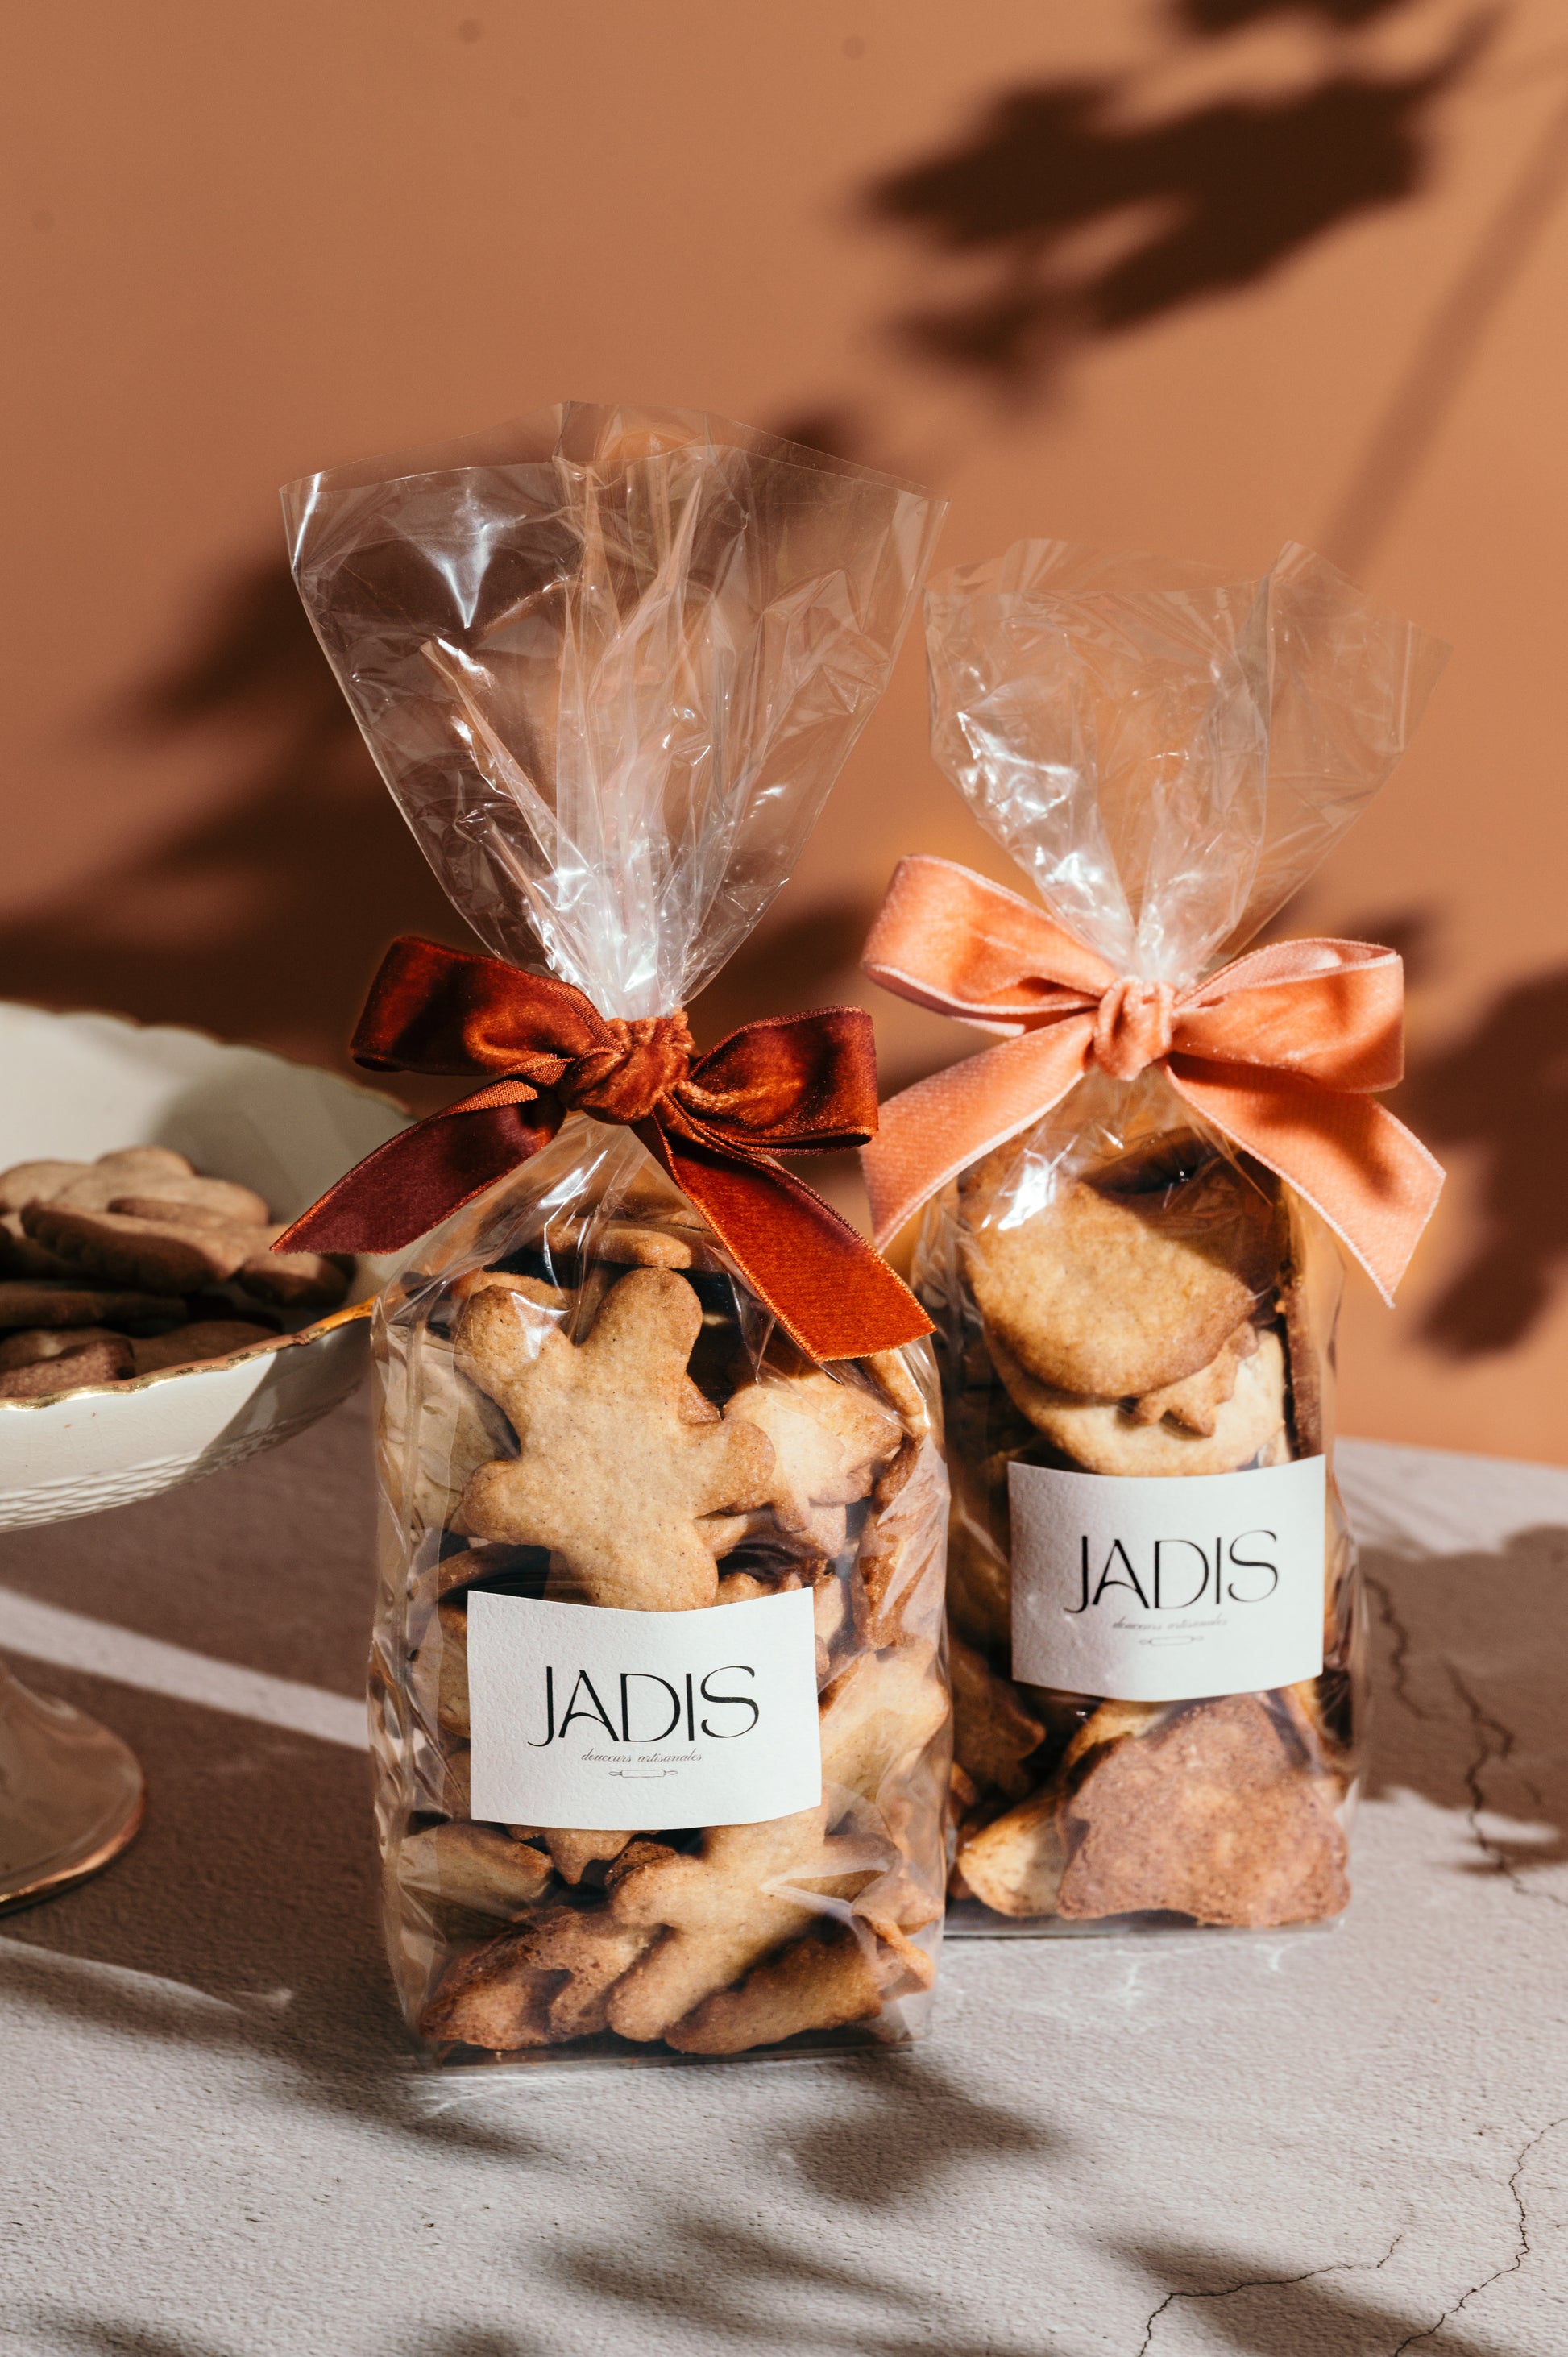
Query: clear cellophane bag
{"points": [[609, 664], [1118, 1292]]}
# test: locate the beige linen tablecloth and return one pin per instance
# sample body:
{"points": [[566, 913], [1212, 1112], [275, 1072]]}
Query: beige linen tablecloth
{"points": [[1322, 2143]]}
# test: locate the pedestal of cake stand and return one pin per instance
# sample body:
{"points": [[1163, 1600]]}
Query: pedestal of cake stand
{"points": [[71, 1795]]}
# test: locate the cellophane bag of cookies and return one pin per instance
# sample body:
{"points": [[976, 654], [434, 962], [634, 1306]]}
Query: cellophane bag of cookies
{"points": [[658, 1707], [1156, 1619]]}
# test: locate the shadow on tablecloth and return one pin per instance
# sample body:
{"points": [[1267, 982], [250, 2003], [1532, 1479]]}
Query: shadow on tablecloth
{"points": [[1470, 1667], [243, 1919]]}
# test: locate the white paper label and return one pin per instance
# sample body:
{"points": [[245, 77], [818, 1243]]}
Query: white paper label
{"points": [[1158, 1590], [635, 1722]]}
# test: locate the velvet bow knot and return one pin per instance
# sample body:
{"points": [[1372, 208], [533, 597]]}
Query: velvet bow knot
{"points": [[1282, 1051], [645, 1060], [1133, 1026], [803, 1083]]}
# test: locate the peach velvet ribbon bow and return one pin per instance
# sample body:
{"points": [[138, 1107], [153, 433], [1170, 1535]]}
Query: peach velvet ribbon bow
{"points": [[1280, 1050]]}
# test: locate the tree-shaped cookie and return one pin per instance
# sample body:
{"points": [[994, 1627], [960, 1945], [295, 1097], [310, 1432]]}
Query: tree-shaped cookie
{"points": [[839, 1973], [538, 1984], [620, 1458], [753, 1887]]}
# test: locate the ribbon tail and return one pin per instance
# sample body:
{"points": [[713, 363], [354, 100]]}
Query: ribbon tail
{"points": [[819, 1276], [926, 1135], [421, 1177], [1373, 1182]]}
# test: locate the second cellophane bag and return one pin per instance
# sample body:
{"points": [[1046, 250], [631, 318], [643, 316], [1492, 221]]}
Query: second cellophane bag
{"points": [[659, 1709], [1157, 1641]]}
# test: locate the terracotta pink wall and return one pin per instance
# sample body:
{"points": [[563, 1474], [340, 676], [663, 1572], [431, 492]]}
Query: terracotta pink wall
{"points": [[1199, 276]]}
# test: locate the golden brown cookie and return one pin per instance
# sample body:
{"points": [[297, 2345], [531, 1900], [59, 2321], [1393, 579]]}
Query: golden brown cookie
{"points": [[719, 1913], [746, 1586], [1195, 1402], [470, 1564], [992, 1732], [554, 1299], [642, 1851], [542, 1984], [1208, 1816], [834, 1976], [29, 1303], [475, 1866], [221, 1202], [1305, 1363], [36, 1182], [620, 1458], [22, 1255], [439, 1674], [488, 1997], [295, 1280], [596, 1952], [878, 1715], [895, 1588], [149, 1182], [130, 1169], [1106, 1723], [1116, 1288], [980, 1586], [1103, 1438], [208, 1337], [437, 1428], [31, 1343], [723, 1910], [630, 1243], [149, 1255], [829, 1614], [139, 1169], [892, 1371], [107, 1361], [573, 1852], [761, 1529], [829, 1440], [888, 1569], [1014, 1864]]}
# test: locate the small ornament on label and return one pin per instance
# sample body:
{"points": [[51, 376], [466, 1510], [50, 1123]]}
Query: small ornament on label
{"points": [[1161, 1590], [638, 1722]]}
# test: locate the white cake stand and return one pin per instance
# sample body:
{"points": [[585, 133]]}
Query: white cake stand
{"points": [[74, 1086]]}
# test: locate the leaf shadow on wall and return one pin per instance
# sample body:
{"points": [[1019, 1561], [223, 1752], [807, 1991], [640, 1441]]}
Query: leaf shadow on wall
{"points": [[1500, 1093], [262, 918], [1079, 210], [1497, 1095]]}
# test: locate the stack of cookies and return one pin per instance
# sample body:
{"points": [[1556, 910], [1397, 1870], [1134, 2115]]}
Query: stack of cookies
{"points": [[604, 1417], [1144, 1312], [135, 1263]]}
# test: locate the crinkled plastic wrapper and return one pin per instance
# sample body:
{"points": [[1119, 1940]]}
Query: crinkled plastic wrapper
{"points": [[659, 1705], [1124, 1302]]}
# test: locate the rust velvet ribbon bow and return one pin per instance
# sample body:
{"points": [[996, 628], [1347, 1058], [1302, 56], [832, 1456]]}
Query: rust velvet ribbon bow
{"points": [[798, 1083], [1280, 1050]]}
